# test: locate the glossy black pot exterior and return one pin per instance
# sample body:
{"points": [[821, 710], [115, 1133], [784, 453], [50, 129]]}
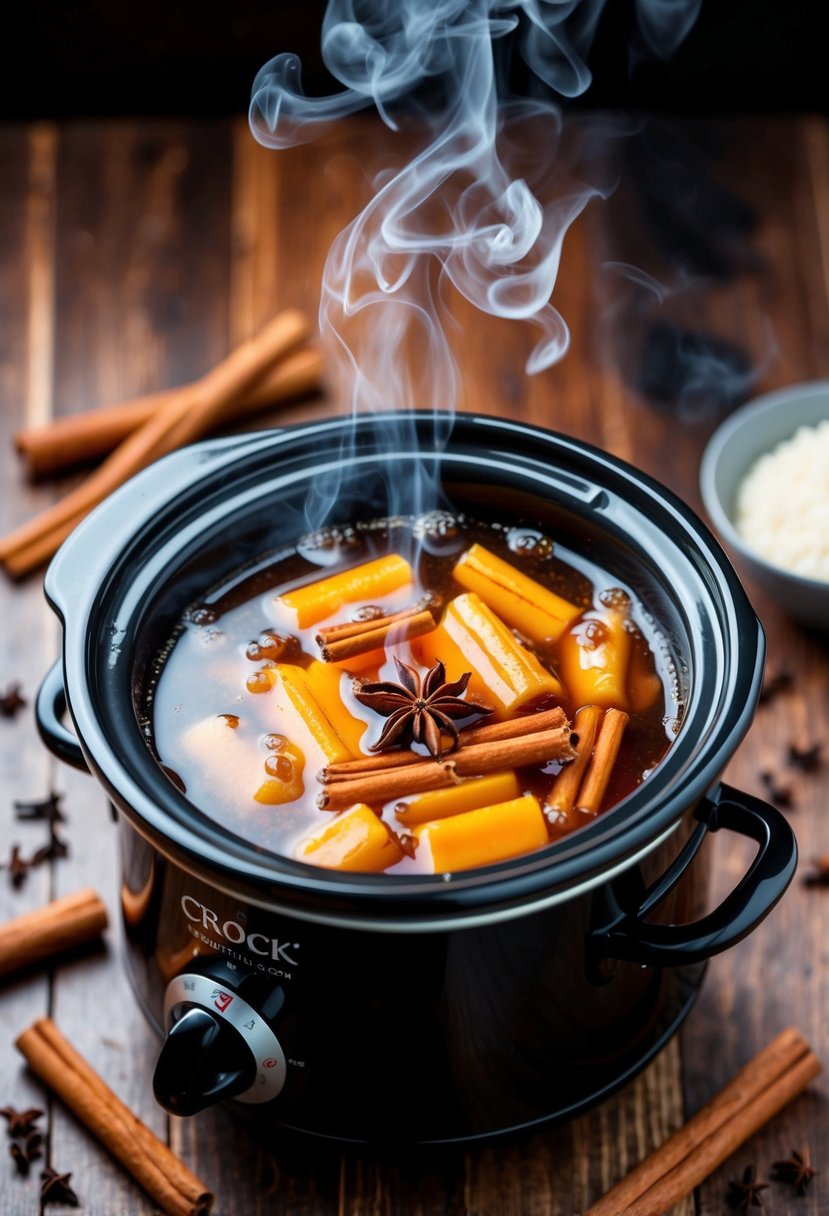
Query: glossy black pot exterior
{"points": [[419, 1008]]}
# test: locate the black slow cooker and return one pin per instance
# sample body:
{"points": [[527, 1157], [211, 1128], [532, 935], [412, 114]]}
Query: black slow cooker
{"points": [[410, 1009]]}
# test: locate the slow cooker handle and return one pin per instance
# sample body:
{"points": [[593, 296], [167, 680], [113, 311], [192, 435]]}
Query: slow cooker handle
{"points": [[50, 708], [759, 889]]}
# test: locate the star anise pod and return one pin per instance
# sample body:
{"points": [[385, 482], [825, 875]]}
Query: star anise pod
{"points": [[419, 711], [55, 1188], [745, 1193], [11, 701], [20, 1122], [797, 1170]]}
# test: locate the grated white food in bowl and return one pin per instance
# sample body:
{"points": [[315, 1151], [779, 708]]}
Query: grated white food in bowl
{"points": [[783, 504]]}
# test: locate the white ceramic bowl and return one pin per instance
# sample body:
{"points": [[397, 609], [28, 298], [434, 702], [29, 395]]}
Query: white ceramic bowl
{"points": [[733, 448]]}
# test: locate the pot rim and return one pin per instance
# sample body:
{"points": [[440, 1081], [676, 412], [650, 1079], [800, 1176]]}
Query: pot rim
{"points": [[96, 581]]}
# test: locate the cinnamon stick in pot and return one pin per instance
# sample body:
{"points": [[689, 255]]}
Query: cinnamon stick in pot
{"points": [[561, 800], [372, 635], [492, 732], [608, 742], [471, 760]]}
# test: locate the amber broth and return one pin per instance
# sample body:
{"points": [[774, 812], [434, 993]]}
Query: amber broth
{"points": [[214, 734]]}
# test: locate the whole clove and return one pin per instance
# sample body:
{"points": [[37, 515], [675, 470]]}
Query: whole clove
{"points": [[26, 1139], [17, 867], [779, 795], [781, 681], [11, 701], [47, 809], [20, 1122], [23, 1153], [819, 874], [807, 759], [55, 850]]}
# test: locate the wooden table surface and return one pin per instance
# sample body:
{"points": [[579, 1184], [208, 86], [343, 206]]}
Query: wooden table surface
{"points": [[132, 255]]}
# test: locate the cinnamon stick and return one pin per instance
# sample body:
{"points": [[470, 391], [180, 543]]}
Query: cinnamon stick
{"points": [[589, 797], [469, 761], [85, 436], [153, 1165], [190, 414], [492, 732], [401, 626], [393, 783], [561, 799], [759, 1090], [50, 930]]}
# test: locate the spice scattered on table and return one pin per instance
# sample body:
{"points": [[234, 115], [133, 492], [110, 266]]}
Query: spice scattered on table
{"points": [[56, 849], [47, 809], [20, 1122], [55, 1188], [24, 1152], [744, 1193], [779, 795], [782, 681], [819, 875], [26, 1139], [796, 1170], [17, 867], [173, 1187], [807, 759], [12, 701]]}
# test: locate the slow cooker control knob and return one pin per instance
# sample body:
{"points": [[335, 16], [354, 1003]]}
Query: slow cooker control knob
{"points": [[202, 1061], [218, 1045]]}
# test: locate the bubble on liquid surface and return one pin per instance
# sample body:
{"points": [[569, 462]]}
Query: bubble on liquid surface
{"points": [[530, 543], [203, 615], [616, 599], [438, 532], [368, 612], [211, 637], [327, 546]]}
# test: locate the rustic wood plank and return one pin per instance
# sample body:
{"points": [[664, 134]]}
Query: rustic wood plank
{"points": [[775, 977], [139, 306], [27, 199], [562, 1170], [143, 300]]}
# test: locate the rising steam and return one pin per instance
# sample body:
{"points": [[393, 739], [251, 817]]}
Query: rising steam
{"points": [[481, 207]]}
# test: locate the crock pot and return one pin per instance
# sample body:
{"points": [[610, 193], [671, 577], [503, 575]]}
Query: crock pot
{"points": [[412, 1009]]}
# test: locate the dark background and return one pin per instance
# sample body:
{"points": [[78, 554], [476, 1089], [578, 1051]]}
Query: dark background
{"points": [[102, 57]]}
